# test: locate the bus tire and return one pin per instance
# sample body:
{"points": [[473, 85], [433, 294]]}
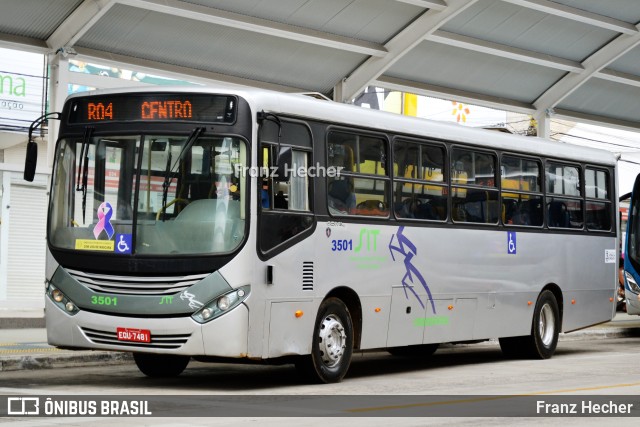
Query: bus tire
{"points": [[545, 328], [332, 344], [160, 365], [421, 351]]}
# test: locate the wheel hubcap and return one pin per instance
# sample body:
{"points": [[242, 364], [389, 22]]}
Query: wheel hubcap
{"points": [[333, 340], [546, 325]]}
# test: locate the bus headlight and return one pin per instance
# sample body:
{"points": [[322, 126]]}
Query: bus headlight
{"points": [[57, 295], [221, 304], [224, 302], [633, 285], [61, 300]]}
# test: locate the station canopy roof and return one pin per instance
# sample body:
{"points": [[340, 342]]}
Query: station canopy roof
{"points": [[577, 59]]}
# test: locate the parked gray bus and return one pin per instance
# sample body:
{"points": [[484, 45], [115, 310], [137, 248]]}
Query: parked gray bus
{"points": [[224, 224]]}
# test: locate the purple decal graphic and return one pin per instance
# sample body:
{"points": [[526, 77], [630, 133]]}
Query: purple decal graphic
{"points": [[408, 250], [104, 220]]}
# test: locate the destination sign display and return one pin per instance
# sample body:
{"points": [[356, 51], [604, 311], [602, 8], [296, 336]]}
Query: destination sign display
{"points": [[153, 107]]}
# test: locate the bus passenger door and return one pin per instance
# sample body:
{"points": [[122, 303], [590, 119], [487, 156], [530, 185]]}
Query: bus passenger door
{"points": [[632, 253]]}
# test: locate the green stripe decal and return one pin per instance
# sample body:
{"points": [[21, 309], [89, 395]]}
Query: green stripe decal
{"points": [[431, 321]]}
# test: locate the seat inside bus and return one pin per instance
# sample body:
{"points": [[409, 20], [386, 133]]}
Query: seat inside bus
{"points": [[558, 214]]}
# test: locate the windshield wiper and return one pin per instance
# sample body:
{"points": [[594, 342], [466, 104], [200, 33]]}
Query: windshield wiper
{"points": [[168, 177], [165, 185], [83, 169]]}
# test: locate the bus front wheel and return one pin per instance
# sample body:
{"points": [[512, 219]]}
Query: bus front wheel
{"points": [[332, 344], [160, 365], [545, 328]]}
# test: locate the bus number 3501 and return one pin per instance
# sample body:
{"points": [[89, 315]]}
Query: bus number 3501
{"points": [[102, 300], [342, 245]]}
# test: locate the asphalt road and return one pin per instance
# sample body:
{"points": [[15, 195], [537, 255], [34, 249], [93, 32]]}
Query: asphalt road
{"points": [[587, 368]]}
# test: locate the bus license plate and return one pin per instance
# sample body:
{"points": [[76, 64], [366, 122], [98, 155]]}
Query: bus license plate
{"points": [[135, 335]]}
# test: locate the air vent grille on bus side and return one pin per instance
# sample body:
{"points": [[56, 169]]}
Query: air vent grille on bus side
{"points": [[307, 276], [132, 285]]}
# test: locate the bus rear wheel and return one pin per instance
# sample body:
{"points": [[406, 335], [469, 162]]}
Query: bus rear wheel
{"points": [[545, 328], [332, 344], [160, 365]]}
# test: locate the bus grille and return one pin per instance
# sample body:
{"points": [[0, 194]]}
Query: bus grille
{"points": [[132, 285], [157, 341]]}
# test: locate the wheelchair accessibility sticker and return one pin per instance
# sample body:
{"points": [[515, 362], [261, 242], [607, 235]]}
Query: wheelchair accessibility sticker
{"points": [[123, 243], [511, 242]]}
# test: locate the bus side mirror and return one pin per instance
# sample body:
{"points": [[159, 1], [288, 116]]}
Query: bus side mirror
{"points": [[30, 161]]}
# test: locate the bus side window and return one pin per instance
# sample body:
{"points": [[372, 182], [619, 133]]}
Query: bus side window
{"points": [[285, 187], [363, 185], [598, 205], [288, 192], [564, 196], [420, 186], [286, 208], [474, 191], [522, 198]]}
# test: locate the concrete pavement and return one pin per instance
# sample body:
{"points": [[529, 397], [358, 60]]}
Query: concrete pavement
{"points": [[23, 346]]}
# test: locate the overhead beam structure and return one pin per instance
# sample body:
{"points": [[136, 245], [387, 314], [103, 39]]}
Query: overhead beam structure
{"points": [[575, 116], [427, 4], [175, 71], [78, 23], [397, 47], [434, 91], [575, 14], [27, 44], [618, 77], [258, 25], [504, 51], [528, 56], [592, 66], [90, 12]]}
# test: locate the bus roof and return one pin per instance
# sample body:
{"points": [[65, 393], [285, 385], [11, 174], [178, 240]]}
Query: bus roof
{"points": [[301, 105]]}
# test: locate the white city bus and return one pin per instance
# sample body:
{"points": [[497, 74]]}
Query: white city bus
{"points": [[168, 239]]}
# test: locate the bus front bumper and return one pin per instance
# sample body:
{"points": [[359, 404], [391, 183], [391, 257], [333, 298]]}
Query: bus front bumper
{"points": [[633, 302], [225, 336]]}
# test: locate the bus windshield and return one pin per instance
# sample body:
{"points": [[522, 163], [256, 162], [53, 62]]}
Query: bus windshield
{"points": [[148, 194]]}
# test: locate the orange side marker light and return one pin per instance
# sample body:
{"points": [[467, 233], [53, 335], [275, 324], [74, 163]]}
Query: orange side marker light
{"points": [[299, 313], [378, 310]]}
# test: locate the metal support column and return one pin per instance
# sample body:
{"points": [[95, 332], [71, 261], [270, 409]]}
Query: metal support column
{"points": [[544, 124], [4, 234], [58, 91]]}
